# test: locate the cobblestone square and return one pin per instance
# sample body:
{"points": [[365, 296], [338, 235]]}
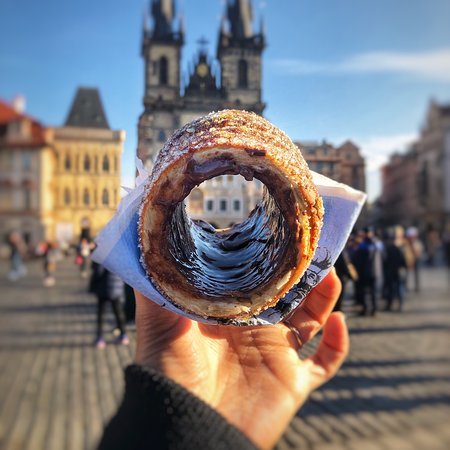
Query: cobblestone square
{"points": [[57, 391]]}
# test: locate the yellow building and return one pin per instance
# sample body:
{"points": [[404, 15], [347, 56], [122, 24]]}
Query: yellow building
{"points": [[86, 180], [58, 183]]}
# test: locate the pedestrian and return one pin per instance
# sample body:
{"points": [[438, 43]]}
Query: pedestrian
{"points": [[415, 247], [50, 258], [84, 250], [345, 272], [203, 386], [108, 288], [18, 250], [446, 245], [394, 265], [364, 259], [432, 243]]}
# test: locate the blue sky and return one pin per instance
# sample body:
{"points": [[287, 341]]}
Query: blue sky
{"points": [[363, 70]]}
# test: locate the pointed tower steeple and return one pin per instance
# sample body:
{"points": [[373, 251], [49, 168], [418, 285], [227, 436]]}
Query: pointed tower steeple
{"points": [[161, 50], [163, 13], [240, 16], [239, 52]]}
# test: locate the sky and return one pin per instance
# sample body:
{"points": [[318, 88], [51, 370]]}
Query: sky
{"points": [[335, 70]]}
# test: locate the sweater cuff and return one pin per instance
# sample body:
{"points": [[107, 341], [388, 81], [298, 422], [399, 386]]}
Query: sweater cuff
{"points": [[159, 413]]}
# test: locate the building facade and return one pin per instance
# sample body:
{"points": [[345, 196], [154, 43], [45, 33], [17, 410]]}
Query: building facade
{"points": [[58, 183], [87, 169], [399, 197], [232, 80], [344, 163], [415, 185], [26, 159]]}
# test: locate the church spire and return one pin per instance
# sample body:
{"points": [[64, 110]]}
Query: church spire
{"points": [[240, 17], [163, 13]]}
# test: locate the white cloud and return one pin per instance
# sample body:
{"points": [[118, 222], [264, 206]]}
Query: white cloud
{"points": [[431, 65]]}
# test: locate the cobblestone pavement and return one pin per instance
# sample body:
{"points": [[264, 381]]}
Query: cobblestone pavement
{"points": [[57, 391]]}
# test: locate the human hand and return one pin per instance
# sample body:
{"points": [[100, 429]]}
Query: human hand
{"points": [[252, 376]]}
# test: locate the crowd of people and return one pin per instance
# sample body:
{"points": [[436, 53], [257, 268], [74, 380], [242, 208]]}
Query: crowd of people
{"points": [[384, 266], [107, 287]]}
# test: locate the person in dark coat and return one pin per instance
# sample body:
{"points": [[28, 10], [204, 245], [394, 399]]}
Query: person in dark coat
{"points": [[345, 271], [363, 259], [394, 263], [108, 288]]}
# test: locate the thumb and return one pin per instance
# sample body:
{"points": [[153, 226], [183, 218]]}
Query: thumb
{"points": [[331, 352]]}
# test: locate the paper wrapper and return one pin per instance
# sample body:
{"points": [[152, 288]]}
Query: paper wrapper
{"points": [[118, 249]]}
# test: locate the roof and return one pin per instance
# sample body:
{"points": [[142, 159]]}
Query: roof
{"points": [[37, 136], [8, 113], [87, 110]]}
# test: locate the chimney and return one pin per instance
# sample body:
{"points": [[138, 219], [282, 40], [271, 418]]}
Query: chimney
{"points": [[18, 104]]}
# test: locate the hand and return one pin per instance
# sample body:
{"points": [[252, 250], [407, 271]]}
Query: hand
{"points": [[253, 376]]}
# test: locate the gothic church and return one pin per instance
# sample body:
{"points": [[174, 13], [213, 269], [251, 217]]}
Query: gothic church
{"points": [[169, 103]]}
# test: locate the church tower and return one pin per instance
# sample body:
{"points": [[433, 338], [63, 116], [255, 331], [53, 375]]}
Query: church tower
{"points": [[239, 52], [161, 50]]}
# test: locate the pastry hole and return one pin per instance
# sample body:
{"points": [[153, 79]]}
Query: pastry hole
{"points": [[224, 201], [234, 261]]}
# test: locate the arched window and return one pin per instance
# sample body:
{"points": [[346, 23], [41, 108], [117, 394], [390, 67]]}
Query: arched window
{"points": [[67, 163], [163, 70], [105, 197], [105, 164], [242, 74], [86, 197], [87, 163], [67, 196]]}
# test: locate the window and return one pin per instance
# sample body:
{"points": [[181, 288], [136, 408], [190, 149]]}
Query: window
{"points": [[236, 205], [26, 161], [87, 163], [27, 199], [319, 166], [67, 163], [161, 136], [105, 197], [163, 70], [86, 197], [230, 178], [242, 74], [67, 196], [105, 164], [219, 179], [223, 205], [209, 205], [116, 164]]}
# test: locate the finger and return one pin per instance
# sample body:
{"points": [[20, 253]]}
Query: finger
{"points": [[309, 318], [331, 352]]}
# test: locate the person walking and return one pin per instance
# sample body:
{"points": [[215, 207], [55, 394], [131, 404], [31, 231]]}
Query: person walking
{"points": [[416, 249], [17, 251], [364, 260], [50, 258], [84, 250], [394, 263], [345, 272], [108, 288]]}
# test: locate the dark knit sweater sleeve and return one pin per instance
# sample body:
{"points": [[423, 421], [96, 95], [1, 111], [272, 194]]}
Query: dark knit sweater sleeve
{"points": [[157, 413]]}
